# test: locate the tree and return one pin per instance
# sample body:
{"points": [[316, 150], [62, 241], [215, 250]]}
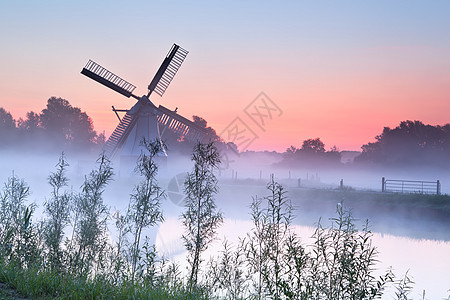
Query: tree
{"points": [[6, 120], [410, 143], [58, 125], [312, 153], [7, 127], [212, 135], [201, 218], [67, 124], [31, 123], [313, 146], [291, 150], [178, 143]]}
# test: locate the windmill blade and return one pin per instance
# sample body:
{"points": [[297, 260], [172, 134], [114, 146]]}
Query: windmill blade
{"points": [[167, 70], [107, 78], [119, 135], [180, 125]]}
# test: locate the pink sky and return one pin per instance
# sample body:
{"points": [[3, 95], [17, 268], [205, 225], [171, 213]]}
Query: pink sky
{"points": [[337, 72]]}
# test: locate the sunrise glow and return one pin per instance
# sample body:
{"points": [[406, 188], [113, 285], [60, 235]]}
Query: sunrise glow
{"points": [[337, 71]]}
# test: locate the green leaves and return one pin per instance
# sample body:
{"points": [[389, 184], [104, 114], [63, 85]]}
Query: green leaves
{"points": [[144, 209], [201, 218]]}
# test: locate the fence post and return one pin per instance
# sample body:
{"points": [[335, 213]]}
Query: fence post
{"points": [[438, 188], [383, 185]]}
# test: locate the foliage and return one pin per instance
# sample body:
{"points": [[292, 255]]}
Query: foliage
{"points": [[46, 284], [58, 212], [90, 229], [342, 261], [339, 265], [312, 153], [181, 145], [270, 262], [410, 143], [88, 265], [7, 127], [6, 120], [267, 240], [58, 125], [67, 123], [313, 146], [227, 275], [211, 133], [200, 218], [20, 241], [145, 205]]}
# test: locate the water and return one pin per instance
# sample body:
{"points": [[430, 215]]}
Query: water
{"points": [[426, 259], [417, 244]]}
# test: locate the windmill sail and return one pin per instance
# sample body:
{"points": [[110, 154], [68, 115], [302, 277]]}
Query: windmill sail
{"points": [[107, 78], [189, 130], [167, 70], [144, 119], [117, 137]]}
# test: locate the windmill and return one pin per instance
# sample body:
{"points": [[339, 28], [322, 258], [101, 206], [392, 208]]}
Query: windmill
{"points": [[144, 119]]}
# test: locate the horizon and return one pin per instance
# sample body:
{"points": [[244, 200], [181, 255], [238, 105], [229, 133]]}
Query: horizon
{"points": [[340, 72]]}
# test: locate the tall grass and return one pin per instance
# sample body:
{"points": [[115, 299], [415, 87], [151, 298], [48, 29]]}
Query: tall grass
{"points": [[57, 209], [201, 217], [69, 255], [144, 209]]}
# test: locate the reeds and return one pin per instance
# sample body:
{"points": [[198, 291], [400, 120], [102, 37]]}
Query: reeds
{"points": [[270, 262]]}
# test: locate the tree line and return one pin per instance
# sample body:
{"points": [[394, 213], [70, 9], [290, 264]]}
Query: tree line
{"points": [[63, 126], [311, 153], [58, 126], [411, 143]]}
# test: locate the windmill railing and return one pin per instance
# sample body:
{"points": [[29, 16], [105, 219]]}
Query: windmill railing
{"points": [[410, 186]]}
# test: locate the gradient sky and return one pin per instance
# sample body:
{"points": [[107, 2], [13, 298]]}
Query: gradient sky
{"points": [[339, 70]]}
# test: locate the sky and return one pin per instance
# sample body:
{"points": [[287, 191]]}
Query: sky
{"points": [[336, 70]]}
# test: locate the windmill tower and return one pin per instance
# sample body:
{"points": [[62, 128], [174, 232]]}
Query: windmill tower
{"points": [[144, 119]]}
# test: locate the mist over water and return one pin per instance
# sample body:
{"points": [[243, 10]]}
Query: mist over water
{"points": [[408, 238]]}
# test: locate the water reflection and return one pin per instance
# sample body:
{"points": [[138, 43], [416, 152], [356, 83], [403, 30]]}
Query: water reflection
{"points": [[426, 261]]}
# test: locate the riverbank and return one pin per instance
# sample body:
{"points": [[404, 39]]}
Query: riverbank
{"points": [[419, 216]]}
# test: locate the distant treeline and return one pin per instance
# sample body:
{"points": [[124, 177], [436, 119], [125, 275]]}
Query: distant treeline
{"points": [[61, 126], [412, 143], [312, 153], [58, 126]]}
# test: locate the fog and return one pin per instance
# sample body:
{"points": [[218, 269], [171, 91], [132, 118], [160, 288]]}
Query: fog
{"points": [[421, 232]]}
